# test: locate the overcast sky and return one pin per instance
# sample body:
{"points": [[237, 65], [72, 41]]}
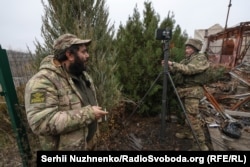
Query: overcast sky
{"points": [[20, 20]]}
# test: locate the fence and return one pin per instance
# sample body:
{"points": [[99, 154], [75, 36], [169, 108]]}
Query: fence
{"points": [[8, 90], [20, 65]]}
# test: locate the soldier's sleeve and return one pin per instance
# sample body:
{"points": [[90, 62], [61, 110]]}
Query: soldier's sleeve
{"points": [[44, 117], [197, 65]]}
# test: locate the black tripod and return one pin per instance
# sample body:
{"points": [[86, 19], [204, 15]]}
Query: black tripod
{"points": [[165, 36], [167, 76]]}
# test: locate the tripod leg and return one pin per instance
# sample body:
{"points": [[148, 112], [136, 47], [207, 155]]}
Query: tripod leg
{"points": [[184, 111], [125, 122], [164, 107]]}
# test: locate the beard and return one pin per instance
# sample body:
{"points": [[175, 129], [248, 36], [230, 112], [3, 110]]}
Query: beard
{"points": [[78, 66]]}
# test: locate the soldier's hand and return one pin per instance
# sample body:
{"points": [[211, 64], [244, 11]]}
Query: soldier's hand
{"points": [[162, 62], [170, 63], [99, 113]]}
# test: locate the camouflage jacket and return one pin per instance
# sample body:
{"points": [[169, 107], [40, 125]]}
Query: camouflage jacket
{"points": [[55, 109], [187, 68]]}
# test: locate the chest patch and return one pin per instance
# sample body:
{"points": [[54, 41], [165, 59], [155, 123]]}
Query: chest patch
{"points": [[38, 97]]}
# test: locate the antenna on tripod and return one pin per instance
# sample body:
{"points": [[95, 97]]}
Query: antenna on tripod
{"points": [[165, 36]]}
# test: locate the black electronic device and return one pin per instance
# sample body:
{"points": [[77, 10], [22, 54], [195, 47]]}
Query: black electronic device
{"points": [[163, 34]]}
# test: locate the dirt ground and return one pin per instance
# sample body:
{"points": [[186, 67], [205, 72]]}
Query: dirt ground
{"points": [[145, 133], [139, 134]]}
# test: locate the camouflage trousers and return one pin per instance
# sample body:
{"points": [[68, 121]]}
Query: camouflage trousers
{"points": [[192, 110]]}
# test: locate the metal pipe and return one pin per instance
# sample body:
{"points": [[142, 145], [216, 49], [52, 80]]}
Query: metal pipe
{"points": [[228, 13]]}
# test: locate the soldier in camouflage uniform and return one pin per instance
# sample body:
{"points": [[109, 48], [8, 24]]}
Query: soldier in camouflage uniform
{"points": [[60, 100], [189, 91]]}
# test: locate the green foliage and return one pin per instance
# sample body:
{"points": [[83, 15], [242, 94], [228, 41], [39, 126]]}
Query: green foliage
{"points": [[109, 91], [140, 55], [131, 57], [139, 58], [85, 19]]}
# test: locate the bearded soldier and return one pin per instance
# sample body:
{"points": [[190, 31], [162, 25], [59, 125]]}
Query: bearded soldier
{"points": [[60, 100]]}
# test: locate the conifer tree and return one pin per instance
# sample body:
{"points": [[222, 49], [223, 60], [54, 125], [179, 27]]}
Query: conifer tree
{"points": [[140, 56], [85, 19]]}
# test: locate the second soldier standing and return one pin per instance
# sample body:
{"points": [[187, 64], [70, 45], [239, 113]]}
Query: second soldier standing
{"points": [[190, 92]]}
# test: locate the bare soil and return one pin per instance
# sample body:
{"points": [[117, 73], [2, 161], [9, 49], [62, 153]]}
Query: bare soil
{"points": [[145, 133], [139, 134]]}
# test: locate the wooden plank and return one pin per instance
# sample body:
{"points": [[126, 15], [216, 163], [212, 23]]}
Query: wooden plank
{"points": [[241, 144], [216, 139], [237, 113], [221, 142], [239, 78]]}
